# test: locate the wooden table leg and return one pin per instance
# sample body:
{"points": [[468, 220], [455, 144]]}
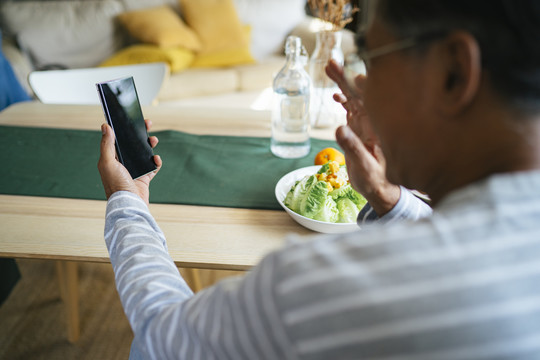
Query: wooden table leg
{"points": [[68, 280], [193, 278]]}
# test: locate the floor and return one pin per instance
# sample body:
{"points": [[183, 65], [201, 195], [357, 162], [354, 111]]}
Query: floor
{"points": [[33, 321]]}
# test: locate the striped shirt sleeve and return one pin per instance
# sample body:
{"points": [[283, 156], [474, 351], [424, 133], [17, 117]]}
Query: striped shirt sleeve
{"points": [[408, 207], [233, 320], [460, 284]]}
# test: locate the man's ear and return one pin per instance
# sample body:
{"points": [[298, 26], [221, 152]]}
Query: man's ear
{"points": [[461, 71]]}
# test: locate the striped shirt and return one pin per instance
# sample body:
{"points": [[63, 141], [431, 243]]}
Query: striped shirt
{"points": [[459, 284], [408, 207]]}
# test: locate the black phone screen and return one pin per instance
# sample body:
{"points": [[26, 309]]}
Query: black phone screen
{"points": [[123, 113]]}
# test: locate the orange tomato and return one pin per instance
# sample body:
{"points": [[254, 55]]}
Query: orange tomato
{"points": [[329, 154]]}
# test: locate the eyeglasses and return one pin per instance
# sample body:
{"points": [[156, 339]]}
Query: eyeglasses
{"points": [[360, 62], [354, 61], [367, 55]]}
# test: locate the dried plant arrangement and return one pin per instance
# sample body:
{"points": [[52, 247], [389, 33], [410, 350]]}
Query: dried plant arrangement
{"points": [[336, 12]]}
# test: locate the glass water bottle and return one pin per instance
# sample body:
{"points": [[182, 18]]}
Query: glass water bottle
{"points": [[290, 108]]}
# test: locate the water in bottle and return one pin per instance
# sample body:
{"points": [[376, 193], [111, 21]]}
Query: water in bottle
{"points": [[290, 109]]}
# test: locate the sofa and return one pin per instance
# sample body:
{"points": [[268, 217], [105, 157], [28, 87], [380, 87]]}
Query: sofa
{"points": [[40, 35]]}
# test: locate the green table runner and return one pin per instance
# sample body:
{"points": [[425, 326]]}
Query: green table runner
{"points": [[227, 171]]}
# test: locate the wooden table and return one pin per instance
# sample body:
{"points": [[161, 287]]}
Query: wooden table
{"points": [[71, 230]]}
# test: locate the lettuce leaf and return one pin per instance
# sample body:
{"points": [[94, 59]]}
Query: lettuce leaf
{"points": [[311, 198], [298, 192], [329, 211], [348, 211], [314, 199]]}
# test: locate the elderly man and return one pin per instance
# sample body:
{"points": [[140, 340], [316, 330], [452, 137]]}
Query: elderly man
{"points": [[450, 106]]}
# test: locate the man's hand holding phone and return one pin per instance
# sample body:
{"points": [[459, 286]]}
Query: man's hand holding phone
{"points": [[115, 176]]}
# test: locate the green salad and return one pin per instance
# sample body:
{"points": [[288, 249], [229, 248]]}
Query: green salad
{"points": [[326, 196]]}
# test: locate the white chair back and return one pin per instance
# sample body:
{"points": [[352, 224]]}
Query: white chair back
{"points": [[78, 86]]}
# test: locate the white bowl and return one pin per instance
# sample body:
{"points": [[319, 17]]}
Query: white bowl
{"points": [[282, 188]]}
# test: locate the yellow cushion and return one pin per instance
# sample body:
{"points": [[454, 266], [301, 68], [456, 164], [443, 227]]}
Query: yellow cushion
{"points": [[178, 58], [226, 57], [160, 26], [216, 24]]}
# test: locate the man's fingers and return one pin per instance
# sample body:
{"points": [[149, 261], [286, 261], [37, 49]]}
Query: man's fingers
{"points": [[350, 142], [378, 154], [355, 83], [335, 72], [359, 81], [158, 161], [148, 177], [108, 152], [350, 84], [148, 124], [153, 141], [340, 98]]}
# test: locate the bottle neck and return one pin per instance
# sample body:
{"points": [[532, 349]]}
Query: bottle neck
{"points": [[294, 59], [293, 51], [328, 39]]}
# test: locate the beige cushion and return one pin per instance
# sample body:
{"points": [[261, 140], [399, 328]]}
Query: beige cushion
{"points": [[74, 34], [260, 75], [204, 82], [130, 5], [199, 82]]}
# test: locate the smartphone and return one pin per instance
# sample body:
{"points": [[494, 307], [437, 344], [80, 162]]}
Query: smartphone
{"points": [[123, 113]]}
